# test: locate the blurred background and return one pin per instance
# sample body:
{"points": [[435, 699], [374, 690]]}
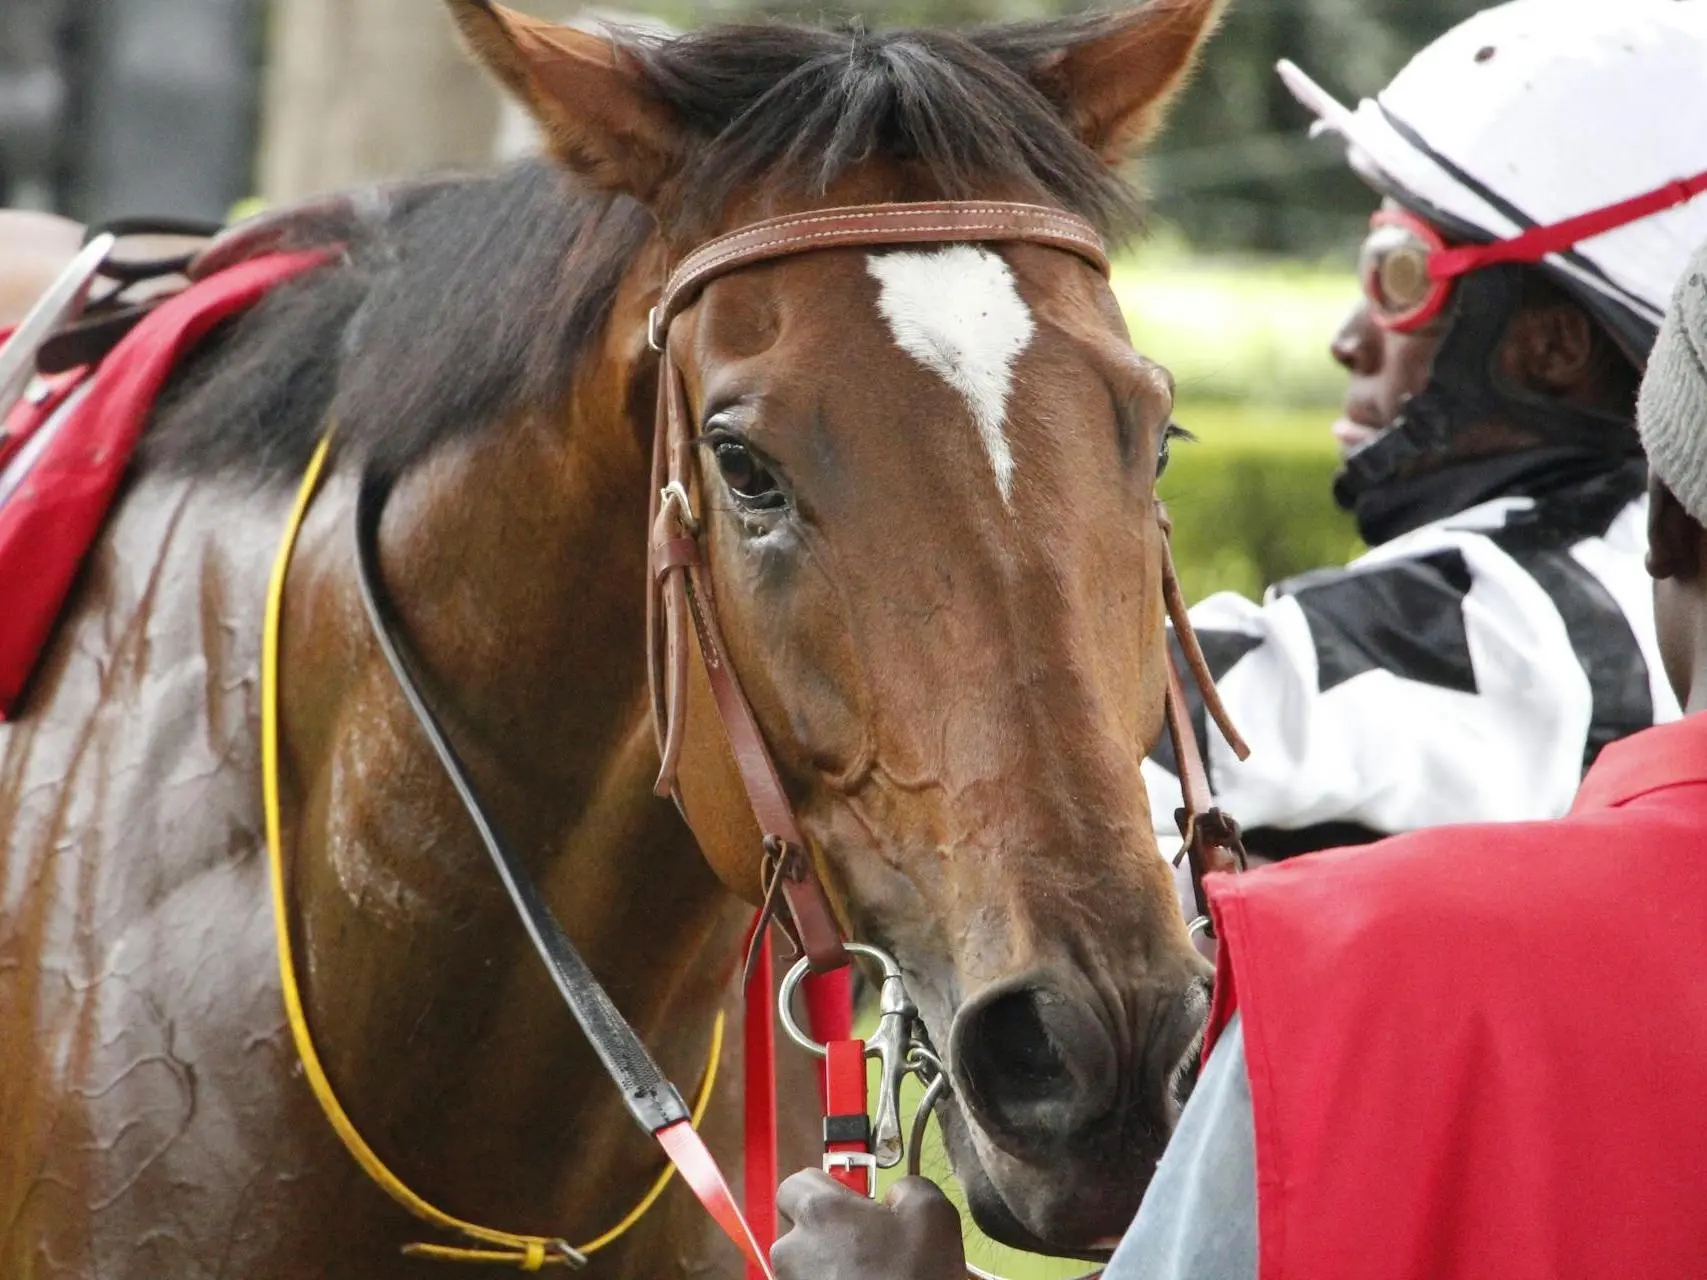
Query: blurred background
{"points": [[200, 107]]}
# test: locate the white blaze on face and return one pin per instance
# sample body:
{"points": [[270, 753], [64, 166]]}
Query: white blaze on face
{"points": [[957, 312]]}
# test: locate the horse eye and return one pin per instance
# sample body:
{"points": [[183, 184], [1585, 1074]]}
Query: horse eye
{"points": [[746, 476], [1173, 431]]}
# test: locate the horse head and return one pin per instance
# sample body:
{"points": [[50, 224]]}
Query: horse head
{"points": [[928, 484]]}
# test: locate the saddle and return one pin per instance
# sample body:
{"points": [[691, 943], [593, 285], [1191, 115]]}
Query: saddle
{"points": [[79, 374]]}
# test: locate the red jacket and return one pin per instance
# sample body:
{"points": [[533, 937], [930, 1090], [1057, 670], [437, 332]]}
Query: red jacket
{"points": [[1482, 1051]]}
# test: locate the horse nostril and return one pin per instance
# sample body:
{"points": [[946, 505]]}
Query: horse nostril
{"points": [[1037, 1066], [1012, 1056]]}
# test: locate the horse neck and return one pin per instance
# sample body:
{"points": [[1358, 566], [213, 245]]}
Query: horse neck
{"points": [[517, 565]]}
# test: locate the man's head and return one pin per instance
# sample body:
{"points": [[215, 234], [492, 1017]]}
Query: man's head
{"points": [[1512, 289], [1673, 420], [1553, 349]]}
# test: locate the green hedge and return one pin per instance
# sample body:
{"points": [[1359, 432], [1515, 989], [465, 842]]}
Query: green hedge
{"points": [[1242, 331], [1246, 341], [1250, 499]]}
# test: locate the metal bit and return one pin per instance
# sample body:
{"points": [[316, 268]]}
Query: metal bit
{"points": [[889, 1044]]}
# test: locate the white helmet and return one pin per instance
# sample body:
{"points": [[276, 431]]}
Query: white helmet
{"points": [[1535, 111]]}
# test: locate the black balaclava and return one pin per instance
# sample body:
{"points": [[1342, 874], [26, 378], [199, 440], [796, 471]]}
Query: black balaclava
{"points": [[1465, 389]]}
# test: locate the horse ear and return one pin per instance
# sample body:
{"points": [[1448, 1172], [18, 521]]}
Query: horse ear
{"points": [[587, 93], [1115, 86]]}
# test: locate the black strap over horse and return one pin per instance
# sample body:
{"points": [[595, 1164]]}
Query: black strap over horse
{"points": [[681, 600]]}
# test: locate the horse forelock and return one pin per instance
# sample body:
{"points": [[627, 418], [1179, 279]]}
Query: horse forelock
{"points": [[792, 110], [453, 311]]}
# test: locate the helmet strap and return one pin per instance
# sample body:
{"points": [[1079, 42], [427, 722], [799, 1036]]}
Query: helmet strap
{"points": [[1464, 390]]}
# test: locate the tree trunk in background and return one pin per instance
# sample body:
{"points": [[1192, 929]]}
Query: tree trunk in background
{"points": [[363, 89], [357, 90]]}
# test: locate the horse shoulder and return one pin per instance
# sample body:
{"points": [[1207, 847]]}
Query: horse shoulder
{"points": [[139, 1011]]}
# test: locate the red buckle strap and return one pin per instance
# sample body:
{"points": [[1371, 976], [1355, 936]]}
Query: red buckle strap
{"points": [[829, 1003], [847, 1122], [759, 1161]]}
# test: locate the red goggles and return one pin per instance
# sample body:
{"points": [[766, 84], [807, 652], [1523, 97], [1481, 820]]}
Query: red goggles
{"points": [[1407, 269]]}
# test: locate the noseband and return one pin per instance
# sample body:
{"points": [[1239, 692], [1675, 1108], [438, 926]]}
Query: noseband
{"points": [[680, 591]]}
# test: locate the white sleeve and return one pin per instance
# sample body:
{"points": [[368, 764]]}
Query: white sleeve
{"points": [[1412, 689]]}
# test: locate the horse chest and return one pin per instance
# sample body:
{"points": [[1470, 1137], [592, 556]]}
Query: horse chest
{"points": [[154, 1120]]}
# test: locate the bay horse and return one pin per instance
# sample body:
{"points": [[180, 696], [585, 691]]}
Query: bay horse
{"points": [[930, 508]]}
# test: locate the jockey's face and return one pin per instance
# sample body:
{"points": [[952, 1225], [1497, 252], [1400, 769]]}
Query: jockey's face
{"points": [[1384, 367], [1550, 348]]}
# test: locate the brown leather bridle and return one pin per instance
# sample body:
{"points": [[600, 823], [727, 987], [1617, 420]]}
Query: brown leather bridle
{"points": [[680, 589]]}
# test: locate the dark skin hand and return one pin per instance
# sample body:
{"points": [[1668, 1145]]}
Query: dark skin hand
{"points": [[914, 1234]]}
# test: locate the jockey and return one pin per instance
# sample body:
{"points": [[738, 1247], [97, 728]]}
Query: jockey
{"points": [[1498, 634], [1478, 1053]]}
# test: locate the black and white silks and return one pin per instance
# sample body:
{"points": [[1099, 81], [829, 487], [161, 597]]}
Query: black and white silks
{"points": [[1468, 670]]}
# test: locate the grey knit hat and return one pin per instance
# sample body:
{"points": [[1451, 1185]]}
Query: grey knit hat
{"points": [[1672, 413]]}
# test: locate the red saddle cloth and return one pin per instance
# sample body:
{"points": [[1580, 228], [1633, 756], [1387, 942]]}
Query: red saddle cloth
{"points": [[49, 517]]}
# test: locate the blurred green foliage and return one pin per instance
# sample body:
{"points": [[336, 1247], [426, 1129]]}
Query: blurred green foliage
{"points": [[1246, 341], [1243, 330], [1250, 499]]}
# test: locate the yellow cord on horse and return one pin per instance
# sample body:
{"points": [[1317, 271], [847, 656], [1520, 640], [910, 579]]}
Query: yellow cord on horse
{"points": [[529, 1253]]}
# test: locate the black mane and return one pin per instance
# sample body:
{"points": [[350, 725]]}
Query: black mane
{"points": [[796, 107], [477, 297]]}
